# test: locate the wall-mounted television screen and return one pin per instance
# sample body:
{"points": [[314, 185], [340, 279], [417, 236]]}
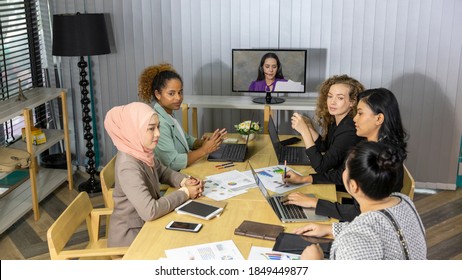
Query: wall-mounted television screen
{"points": [[268, 71]]}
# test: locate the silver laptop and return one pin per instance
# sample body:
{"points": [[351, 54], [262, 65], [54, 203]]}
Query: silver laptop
{"points": [[293, 155], [286, 213]]}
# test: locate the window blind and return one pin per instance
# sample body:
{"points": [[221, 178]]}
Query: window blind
{"points": [[20, 58]]}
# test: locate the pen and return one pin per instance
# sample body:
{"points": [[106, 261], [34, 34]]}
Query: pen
{"points": [[285, 174], [226, 166], [227, 163]]}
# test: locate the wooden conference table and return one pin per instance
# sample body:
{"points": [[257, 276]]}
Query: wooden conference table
{"points": [[154, 239]]}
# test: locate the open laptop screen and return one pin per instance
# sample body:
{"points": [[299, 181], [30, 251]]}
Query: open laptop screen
{"points": [[259, 183], [273, 134]]}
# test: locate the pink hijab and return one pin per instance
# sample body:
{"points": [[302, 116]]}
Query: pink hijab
{"points": [[127, 126]]}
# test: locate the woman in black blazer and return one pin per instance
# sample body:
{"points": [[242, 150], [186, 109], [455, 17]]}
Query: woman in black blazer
{"points": [[378, 119], [335, 110]]}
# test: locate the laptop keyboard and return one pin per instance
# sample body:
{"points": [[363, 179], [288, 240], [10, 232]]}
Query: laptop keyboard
{"points": [[291, 155], [234, 152], [290, 211]]}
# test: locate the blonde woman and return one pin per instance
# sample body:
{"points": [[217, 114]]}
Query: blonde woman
{"points": [[334, 113]]}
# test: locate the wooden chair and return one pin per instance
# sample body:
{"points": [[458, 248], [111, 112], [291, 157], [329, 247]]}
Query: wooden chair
{"points": [[107, 183], [408, 184], [77, 213], [185, 117]]}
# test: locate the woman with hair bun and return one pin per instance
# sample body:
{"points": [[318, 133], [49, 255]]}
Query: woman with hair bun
{"points": [[389, 227]]}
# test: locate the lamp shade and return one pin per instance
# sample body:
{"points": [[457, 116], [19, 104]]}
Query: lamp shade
{"points": [[80, 35]]}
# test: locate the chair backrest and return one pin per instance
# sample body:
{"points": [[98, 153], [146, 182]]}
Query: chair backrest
{"points": [[79, 212], [408, 184], [184, 119], [107, 183], [67, 223]]}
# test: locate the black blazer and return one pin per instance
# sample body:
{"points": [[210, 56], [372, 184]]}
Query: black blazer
{"points": [[329, 155]]}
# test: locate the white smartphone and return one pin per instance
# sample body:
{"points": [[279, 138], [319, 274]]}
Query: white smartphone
{"points": [[191, 227]]}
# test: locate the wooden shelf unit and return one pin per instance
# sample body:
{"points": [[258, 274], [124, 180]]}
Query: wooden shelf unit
{"points": [[42, 181]]}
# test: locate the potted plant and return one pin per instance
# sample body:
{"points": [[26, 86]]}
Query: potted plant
{"points": [[248, 129]]}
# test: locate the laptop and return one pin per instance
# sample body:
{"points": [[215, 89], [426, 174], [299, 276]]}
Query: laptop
{"points": [[230, 152], [293, 155], [286, 213]]}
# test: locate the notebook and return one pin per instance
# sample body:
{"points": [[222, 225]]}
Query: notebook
{"points": [[293, 155], [230, 152], [286, 213], [259, 230]]}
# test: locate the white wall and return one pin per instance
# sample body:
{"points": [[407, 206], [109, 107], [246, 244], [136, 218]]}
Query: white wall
{"points": [[412, 47]]}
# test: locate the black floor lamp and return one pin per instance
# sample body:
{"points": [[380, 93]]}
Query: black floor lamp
{"points": [[82, 35]]}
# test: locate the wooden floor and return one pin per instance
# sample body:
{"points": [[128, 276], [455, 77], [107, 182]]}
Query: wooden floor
{"points": [[441, 214]]}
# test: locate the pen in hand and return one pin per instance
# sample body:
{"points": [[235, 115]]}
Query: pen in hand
{"points": [[285, 174]]}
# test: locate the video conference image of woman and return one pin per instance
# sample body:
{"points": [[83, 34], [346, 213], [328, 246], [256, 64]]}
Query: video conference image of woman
{"points": [[277, 71]]}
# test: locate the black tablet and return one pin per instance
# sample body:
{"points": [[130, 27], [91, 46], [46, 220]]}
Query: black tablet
{"points": [[296, 243], [198, 209]]}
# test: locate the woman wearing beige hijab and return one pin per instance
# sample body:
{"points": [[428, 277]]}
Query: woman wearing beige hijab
{"points": [[134, 130]]}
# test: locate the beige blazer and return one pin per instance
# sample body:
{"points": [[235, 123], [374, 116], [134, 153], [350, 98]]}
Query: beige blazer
{"points": [[137, 197]]}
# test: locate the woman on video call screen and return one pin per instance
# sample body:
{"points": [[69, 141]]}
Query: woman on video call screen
{"points": [[277, 70]]}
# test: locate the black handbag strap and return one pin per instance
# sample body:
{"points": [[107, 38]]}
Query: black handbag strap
{"points": [[398, 232], [417, 215]]}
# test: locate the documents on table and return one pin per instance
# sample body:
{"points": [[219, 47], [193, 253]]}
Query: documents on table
{"points": [[272, 178], [262, 253], [223, 250], [227, 184]]}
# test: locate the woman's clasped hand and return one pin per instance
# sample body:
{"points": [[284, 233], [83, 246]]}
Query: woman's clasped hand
{"points": [[195, 187], [211, 143]]}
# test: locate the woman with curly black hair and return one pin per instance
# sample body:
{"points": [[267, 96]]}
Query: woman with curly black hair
{"points": [[176, 149]]}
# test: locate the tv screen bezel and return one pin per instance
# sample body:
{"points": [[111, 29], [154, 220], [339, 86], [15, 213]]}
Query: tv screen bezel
{"points": [[254, 66]]}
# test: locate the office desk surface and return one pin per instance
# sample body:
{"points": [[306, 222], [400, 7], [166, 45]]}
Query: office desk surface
{"points": [[154, 239]]}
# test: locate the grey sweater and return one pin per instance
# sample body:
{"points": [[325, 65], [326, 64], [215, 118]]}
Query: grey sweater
{"points": [[371, 236]]}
